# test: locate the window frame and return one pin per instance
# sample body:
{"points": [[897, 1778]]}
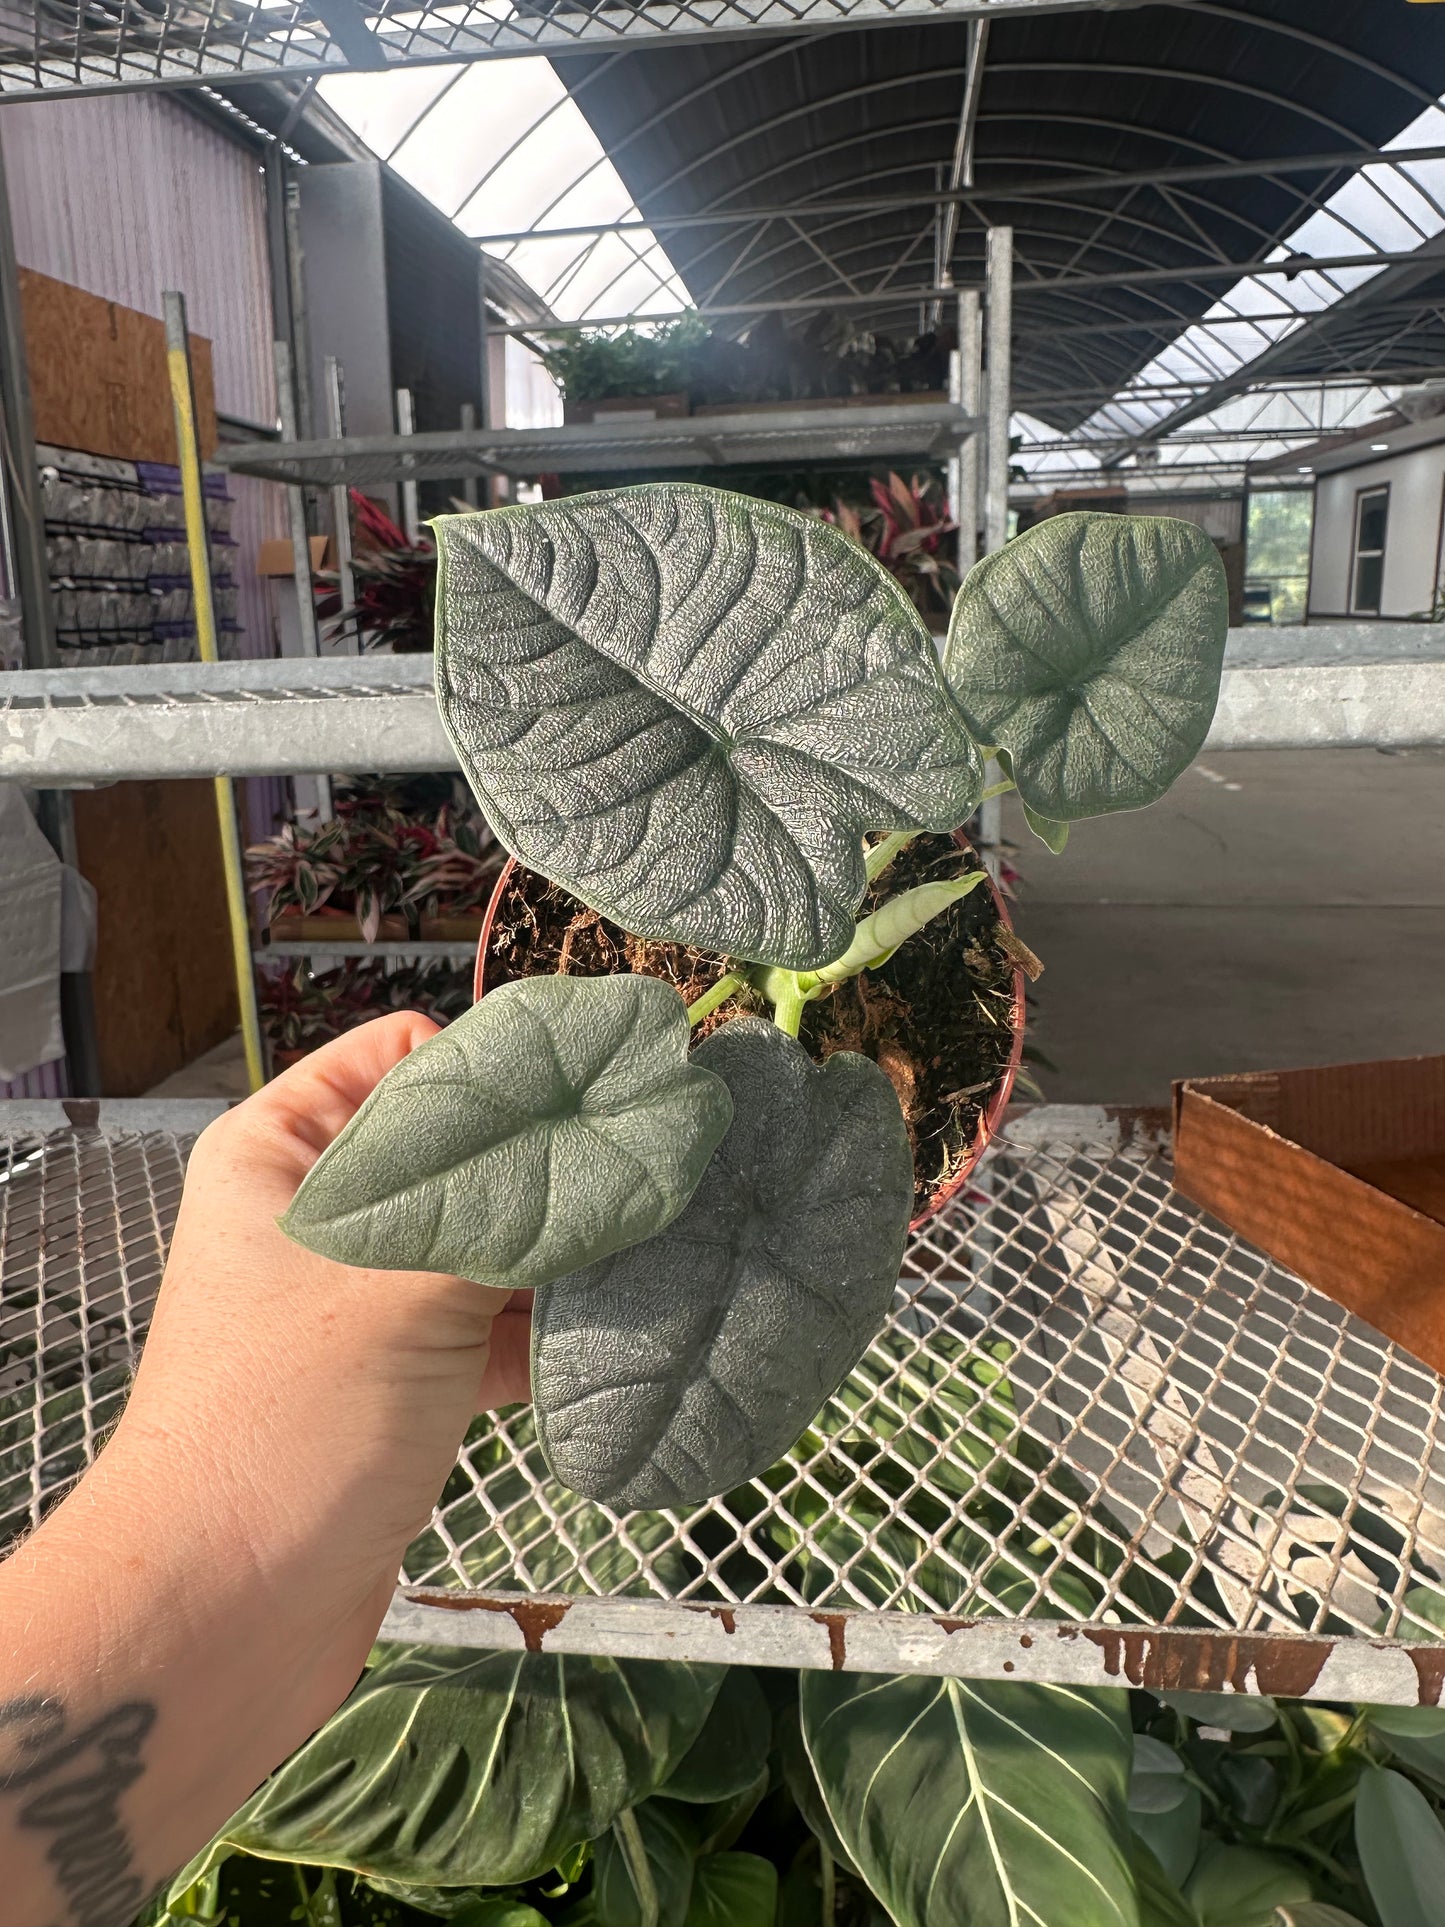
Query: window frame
{"points": [[1362, 495]]}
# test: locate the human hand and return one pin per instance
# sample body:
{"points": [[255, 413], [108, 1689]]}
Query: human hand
{"points": [[207, 1594]]}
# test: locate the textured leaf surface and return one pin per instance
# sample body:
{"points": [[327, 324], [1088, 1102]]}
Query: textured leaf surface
{"points": [[732, 1749], [960, 1800], [673, 1372], [455, 1768], [1401, 1845], [556, 1121], [1090, 649], [688, 707]]}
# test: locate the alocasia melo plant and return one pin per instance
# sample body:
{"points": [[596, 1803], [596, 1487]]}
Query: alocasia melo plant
{"points": [[691, 709]]}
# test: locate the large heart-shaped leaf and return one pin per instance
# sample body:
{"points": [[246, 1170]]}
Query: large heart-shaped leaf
{"points": [[962, 1800], [688, 706], [1090, 648], [670, 1373], [556, 1121], [449, 1768]]}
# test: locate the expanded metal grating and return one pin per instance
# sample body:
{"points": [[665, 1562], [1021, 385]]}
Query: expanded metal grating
{"points": [[72, 46], [1099, 1437]]}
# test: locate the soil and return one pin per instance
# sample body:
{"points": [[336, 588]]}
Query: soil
{"points": [[937, 1017]]}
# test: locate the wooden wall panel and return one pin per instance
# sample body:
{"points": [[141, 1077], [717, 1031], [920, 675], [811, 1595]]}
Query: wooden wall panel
{"points": [[164, 992], [98, 378]]}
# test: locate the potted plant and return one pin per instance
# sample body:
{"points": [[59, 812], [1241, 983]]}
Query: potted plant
{"points": [[907, 527], [691, 712], [455, 880]]}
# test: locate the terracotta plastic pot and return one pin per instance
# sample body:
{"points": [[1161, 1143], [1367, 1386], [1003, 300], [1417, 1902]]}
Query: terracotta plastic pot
{"points": [[997, 1104]]}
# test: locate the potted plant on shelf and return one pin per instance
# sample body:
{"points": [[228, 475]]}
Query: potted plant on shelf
{"points": [[455, 880], [907, 527], [716, 726]]}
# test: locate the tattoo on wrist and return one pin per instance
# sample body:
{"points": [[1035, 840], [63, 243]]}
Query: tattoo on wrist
{"points": [[68, 1786]]}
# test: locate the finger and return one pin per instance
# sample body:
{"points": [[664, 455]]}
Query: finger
{"points": [[316, 1099], [507, 1379]]}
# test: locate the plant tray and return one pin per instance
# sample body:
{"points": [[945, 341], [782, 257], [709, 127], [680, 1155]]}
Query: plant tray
{"points": [[1338, 1173], [341, 929], [1102, 1439]]}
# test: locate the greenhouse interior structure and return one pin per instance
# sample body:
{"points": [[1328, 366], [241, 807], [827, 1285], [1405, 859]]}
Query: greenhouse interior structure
{"points": [[722, 1027]]}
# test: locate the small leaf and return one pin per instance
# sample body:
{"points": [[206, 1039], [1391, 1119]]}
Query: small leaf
{"points": [[1090, 649], [675, 1371], [553, 1123], [1055, 835], [1172, 1836], [1408, 1722], [1401, 1845], [893, 923], [1157, 1783], [1233, 1712], [669, 1840], [687, 707], [733, 1890], [968, 1801], [732, 1748], [450, 1768], [1240, 1887]]}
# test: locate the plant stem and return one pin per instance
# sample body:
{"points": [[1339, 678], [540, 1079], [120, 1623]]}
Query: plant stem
{"points": [[830, 1887], [709, 1001], [629, 1838], [882, 854], [998, 789], [788, 1008]]}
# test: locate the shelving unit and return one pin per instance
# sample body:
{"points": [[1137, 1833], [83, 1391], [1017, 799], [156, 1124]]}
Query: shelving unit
{"points": [[1171, 1419]]}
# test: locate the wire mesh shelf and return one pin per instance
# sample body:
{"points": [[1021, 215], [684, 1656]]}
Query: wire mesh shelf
{"points": [[73, 46], [1099, 1438]]}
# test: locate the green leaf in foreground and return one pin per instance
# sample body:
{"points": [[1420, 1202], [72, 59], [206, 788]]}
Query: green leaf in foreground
{"points": [[555, 1122], [1090, 648], [452, 1768], [1240, 1887], [688, 706], [1401, 1845], [961, 1800], [677, 1370]]}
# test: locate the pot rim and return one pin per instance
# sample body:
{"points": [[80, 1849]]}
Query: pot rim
{"points": [[1003, 1091]]}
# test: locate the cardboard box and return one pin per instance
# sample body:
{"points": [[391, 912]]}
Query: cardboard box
{"points": [[276, 556], [1339, 1174]]}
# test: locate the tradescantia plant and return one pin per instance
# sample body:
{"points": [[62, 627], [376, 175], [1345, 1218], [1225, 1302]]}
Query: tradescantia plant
{"points": [[717, 723]]}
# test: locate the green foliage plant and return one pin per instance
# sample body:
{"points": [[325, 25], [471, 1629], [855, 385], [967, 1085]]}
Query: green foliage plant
{"points": [[716, 721]]}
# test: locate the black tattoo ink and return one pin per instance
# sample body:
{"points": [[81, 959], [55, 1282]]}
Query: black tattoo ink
{"points": [[89, 1851]]}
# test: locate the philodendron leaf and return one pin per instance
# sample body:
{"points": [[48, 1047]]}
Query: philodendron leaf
{"points": [[670, 1373], [669, 1844], [688, 706], [1156, 1783], [732, 1749], [1401, 1845], [963, 1800], [449, 1767], [893, 923], [554, 1122], [1241, 1887], [1090, 649], [733, 1890]]}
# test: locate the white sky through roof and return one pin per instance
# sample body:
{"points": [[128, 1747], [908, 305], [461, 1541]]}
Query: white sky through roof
{"points": [[499, 145]]}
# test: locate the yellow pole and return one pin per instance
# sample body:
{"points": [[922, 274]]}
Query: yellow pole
{"points": [[198, 546]]}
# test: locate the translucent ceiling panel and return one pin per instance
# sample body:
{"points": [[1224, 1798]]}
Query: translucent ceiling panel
{"points": [[500, 146]]}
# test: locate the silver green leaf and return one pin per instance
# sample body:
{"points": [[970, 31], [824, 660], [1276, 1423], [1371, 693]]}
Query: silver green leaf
{"points": [[670, 1373], [449, 1767], [1090, 649], [688, 706], [556, 1121], [965, 1800]]}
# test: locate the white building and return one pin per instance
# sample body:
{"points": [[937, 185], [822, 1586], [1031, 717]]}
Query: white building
{"points": [[1379, 521]]}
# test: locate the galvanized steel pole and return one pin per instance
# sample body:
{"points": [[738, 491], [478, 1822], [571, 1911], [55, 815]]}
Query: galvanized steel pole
{"points": [[970, 394], [1000, 329]]}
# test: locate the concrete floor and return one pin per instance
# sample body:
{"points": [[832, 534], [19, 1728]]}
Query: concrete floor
{"points": [[220, 1073], [1275, 909]]}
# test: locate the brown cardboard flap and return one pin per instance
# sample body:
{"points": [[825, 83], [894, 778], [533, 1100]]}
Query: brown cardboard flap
{"points": [[1266, 1154]]}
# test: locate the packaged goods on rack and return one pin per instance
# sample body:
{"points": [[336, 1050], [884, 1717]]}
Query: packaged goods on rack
{"points": [[119, 566]]}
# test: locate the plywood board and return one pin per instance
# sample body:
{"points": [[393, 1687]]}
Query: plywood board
{"points": [[164, 992], [98, 377]]}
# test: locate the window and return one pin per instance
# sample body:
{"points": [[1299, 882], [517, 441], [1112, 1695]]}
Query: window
{"points": [[1372, 510], [1277, 565]]}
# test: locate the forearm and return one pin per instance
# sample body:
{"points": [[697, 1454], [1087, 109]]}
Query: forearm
{"points": [[148, 1684]]}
